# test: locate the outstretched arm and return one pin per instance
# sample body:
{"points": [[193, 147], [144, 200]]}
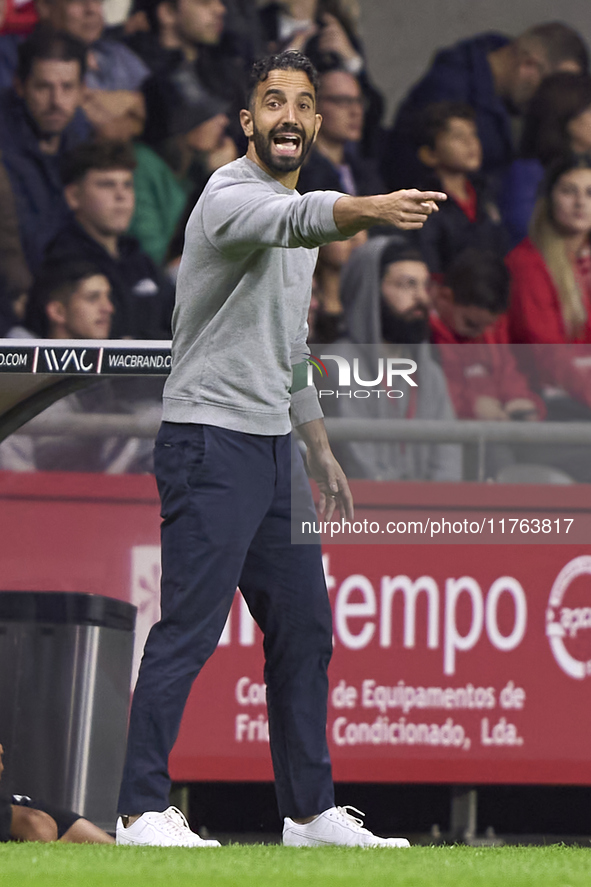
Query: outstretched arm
{"points": [[401, 209]]}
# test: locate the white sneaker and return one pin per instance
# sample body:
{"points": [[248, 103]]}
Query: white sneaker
{"points": [[167, 829], [335, 826]]}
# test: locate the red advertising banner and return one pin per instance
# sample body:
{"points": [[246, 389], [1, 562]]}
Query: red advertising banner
{"points": [[452, 663]]}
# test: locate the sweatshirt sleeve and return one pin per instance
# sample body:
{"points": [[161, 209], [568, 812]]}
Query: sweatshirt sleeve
{"points": [[241, 215], [305, 405]]}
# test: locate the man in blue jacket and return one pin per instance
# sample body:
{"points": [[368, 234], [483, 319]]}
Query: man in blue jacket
{"points": [[497, 77], [40, 119]]}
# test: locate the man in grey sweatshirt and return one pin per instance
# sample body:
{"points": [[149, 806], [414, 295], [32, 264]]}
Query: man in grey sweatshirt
{"points": [[225, 465]]}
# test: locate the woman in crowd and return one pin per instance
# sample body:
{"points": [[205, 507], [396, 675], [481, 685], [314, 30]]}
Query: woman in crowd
{"points": [[551, 281], [558, 122], [551, 269]]}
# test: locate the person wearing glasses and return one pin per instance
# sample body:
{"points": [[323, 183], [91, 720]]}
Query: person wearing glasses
{"points": [[335, 162]]}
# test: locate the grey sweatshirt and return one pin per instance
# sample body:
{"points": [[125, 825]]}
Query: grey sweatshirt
{"points": [[243, 292]]}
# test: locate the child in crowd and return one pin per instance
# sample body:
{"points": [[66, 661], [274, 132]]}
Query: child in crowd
{"points": [[450, 151], [69, 300], [469, 310], [99, 191], [72, 299]]}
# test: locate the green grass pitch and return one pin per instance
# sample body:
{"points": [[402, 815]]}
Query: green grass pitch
{"points": [[57, 865]]}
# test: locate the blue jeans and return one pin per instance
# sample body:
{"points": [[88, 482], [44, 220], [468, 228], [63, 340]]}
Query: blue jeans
{"points": [[226, 509]]}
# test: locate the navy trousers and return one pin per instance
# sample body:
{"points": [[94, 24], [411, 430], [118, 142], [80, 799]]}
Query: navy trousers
{"points": [[226, 509]]}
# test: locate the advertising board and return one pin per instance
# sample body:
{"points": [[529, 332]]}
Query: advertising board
{"points": [[452, 663]]}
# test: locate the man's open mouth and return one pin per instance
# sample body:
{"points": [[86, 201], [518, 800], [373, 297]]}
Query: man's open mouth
{"points": [[287, 143]]}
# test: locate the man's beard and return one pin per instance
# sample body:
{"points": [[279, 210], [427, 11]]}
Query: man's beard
{"points": [[280, 164], [400, 329]]}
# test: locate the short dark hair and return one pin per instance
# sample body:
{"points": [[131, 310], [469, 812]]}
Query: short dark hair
{"points": [[57, 281], [331, 63], [479, 278], [291, 60], [399, 248], [434, 118], [559, 98], [45, 44], [96, 155], [327, 62], [560, 167], [560, 43]]}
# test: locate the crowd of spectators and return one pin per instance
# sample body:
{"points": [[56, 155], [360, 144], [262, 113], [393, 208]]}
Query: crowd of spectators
{"points": [[109, 134]]}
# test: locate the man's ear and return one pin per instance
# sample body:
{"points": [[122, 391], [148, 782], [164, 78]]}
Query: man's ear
{"points": [[317, 125], [18, 87], [427, 156], [72, 195], [246, 123], [56, 312]]}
